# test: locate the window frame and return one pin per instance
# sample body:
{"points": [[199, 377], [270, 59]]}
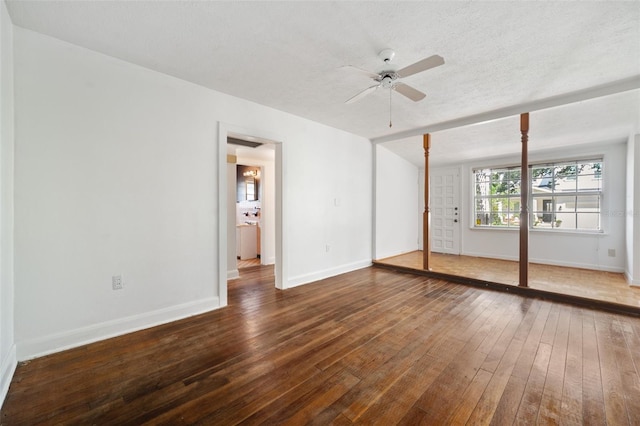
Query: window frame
{"points": [[509, 196], [554, 194]]}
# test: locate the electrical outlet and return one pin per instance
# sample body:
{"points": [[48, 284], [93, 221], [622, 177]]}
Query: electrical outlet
{"points": [[327, 248], [612, 252], [116, 282]]}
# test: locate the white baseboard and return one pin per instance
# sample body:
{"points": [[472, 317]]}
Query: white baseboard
{"points": [[269, 260], [630, 279], [33, 348], [7, 370], [232, 275], [320, 275], [551, 262]]}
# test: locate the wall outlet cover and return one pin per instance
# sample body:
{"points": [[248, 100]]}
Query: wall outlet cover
{"points": [[116, 282]]}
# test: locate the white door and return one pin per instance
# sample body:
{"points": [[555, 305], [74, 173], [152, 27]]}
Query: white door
{"points": [[445, 211]]}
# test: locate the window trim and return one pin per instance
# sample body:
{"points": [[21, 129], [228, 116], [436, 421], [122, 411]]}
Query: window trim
{"points": [[601, 193]]}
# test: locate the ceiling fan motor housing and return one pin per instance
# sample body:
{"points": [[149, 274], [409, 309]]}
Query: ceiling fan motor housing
{"points": [[387, 80]]}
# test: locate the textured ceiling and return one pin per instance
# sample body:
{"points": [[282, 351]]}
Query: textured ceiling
{"points": [[287, 55]]}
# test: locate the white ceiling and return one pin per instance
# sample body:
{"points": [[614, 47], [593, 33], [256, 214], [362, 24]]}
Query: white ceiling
{"points": [[287, 55]]}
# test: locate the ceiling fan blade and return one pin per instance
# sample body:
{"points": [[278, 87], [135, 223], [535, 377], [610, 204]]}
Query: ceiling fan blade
{"points": [[408, 91], [360, 70], [423, 65], [362, 94]]}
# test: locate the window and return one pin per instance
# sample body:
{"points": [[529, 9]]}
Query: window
{"points": [[565, 195], [497, 197]]}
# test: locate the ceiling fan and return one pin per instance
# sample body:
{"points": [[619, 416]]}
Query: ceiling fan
{"points": [[391, 79]]}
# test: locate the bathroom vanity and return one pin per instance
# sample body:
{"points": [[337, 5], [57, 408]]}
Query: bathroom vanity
{"points": [[247, 241]]}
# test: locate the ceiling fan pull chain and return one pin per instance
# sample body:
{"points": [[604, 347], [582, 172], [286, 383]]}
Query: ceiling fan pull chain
{"points": [[390, 90]]}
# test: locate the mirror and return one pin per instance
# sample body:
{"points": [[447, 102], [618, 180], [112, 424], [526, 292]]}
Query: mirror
{"points": [[251, 189], [248, 183]]}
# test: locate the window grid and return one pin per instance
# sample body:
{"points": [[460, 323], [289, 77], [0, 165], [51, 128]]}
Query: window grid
{"points": [[497, 194], [565, 195]]}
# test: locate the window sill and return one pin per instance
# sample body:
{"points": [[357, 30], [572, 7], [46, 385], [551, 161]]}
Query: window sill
{"points": [[566, 231], [540, 230]]}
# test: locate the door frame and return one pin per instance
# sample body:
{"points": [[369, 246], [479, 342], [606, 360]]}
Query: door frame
{"points": [[281, 270]]}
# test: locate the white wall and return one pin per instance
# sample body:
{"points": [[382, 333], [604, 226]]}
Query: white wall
{"points": [[583, 250], [397, 199], [7, 341], [116, 173], [328, 196], [632, 217]]}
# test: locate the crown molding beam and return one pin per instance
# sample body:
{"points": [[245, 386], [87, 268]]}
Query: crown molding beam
{"points": [[618, 86]]}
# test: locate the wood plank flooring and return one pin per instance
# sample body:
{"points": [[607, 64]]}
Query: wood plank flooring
{"points": [[596, 285], [248, 263], [369, 347]]}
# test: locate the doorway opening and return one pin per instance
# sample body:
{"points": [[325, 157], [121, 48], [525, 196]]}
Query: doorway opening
{"points": [[251, 205], [248, 213]]}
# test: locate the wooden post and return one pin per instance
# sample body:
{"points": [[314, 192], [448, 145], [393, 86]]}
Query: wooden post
{"points": [[524, 202], [426, 216]]}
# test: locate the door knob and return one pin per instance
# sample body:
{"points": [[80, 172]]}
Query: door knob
{"points": [[455, 220]]}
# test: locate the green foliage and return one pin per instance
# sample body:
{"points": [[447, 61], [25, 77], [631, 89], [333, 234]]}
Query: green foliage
{"points": [[508, 181]]}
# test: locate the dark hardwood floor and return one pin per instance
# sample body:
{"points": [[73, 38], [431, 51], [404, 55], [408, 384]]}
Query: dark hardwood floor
{"points": [[370, 347]]}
